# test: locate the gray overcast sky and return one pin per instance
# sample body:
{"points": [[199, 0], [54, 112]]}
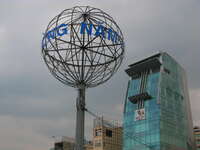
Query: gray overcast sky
{"points": [[34, 106]]}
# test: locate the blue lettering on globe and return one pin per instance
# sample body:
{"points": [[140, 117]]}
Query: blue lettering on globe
{"points": [[100, 30]]}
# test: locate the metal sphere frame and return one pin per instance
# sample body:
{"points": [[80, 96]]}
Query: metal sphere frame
{"points": [[79, 59], [82, 47]]}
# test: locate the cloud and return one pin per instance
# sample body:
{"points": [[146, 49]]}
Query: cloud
{"points": [[17, 134]]}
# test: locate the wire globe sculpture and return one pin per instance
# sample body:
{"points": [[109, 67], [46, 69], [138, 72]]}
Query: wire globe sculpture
{"points": [[83, 46]]}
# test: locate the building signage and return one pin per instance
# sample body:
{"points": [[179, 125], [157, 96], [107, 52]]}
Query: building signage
{"points": [[89, 29], [139, 114]]}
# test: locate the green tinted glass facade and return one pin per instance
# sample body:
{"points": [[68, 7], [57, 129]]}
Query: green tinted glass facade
{"points": [[157, 111], [196, 130]]}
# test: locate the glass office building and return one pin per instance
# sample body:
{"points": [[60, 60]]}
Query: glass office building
{"points": [[157, 112], [196, 130]]}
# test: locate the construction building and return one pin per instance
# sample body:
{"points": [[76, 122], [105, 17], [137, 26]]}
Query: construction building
{"points": [[157, 113], [197, 136], [88, 145], [107, 135], [64, 143]]}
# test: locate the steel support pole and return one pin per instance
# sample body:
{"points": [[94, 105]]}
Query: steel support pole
{"points": [[80, 119]]}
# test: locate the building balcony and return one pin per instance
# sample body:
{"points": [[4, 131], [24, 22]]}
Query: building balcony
{"points": [[138, 97]]}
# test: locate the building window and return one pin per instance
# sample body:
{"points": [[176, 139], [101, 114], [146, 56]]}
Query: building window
{"points": [[108, 133], [198, 140], [59, 146], [98, 132]]}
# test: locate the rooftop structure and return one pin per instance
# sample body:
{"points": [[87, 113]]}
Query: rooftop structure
{"points": [[107, 135], [64, 143]]}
